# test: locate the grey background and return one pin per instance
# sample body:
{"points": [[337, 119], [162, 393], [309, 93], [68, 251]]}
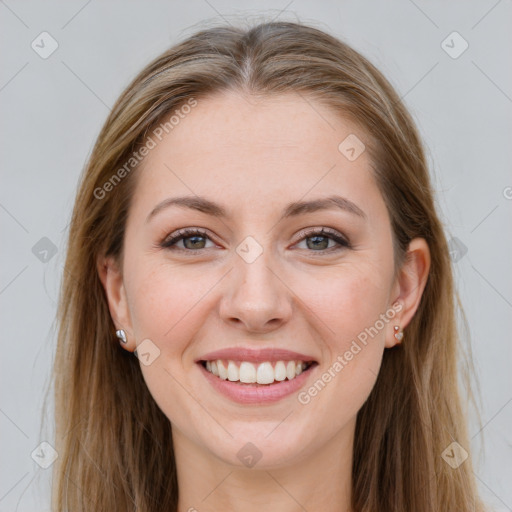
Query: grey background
{"points": [[52, 110]]}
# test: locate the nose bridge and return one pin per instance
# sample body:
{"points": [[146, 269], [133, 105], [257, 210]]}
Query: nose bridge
{"points": [[255, 295]]}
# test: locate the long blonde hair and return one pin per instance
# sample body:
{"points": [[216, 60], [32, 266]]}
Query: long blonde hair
{"points": [[114, 443]]}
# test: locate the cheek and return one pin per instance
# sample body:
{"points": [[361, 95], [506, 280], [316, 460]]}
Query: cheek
{"points": [[167, 304], [156, 305], [347, 300], [354, 312]]}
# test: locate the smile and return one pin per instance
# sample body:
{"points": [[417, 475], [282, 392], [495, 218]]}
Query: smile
{"points": [[265, 386], [256, 375], [266, 372]]}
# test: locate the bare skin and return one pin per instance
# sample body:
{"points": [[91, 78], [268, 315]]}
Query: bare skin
{"points": [[303, 293]]}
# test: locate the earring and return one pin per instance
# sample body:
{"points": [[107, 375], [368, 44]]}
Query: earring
{"points": [[121, 335], [399, 334]]}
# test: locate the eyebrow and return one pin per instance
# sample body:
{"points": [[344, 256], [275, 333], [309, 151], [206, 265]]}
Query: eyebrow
{"points": [[209, 207]]}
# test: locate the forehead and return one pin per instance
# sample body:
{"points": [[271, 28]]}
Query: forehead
{"points": [[253, 151]]}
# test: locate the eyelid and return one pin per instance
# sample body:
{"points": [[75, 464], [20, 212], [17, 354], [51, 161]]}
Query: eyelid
{"points": [[172, 239], [322, 231], [182, 233]]}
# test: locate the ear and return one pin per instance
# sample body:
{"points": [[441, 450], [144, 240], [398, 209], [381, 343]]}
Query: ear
{"points": [[409, 285], [111, 278]]}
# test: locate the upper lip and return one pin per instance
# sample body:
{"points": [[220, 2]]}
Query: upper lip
{"points": [[255, 355]]}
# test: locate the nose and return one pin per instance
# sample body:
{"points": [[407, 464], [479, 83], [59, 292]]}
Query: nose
{"points": [[255, 298]]}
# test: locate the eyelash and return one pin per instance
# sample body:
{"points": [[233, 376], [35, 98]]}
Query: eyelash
{"points": [[343, 242]]}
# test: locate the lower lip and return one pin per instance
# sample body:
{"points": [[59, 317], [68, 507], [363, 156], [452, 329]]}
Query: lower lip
{"points": [[256, 393]]}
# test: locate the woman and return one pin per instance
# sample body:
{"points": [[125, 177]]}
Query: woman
{"points": [[258, 305]]}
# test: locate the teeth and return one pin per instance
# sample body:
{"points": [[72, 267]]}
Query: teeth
{"points": [[223, 373], [233, 373], [265, 374], [247, 373], [280, 371], [290, 370], [262, 373]]}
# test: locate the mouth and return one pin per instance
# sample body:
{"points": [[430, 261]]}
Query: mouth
{"points": [[265, 373], [257, 382]]}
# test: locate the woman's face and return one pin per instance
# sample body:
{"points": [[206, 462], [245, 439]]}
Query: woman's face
{"points": [[257, 281]]}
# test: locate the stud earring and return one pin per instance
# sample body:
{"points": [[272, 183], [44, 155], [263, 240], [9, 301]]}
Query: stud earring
{"points": [[121, 335], [399, 334]]}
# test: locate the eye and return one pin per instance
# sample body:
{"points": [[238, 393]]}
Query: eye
{"points": [[192, 238], [318, 240]]}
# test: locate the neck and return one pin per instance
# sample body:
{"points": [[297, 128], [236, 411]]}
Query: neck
{"points": [[320, 482]]}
